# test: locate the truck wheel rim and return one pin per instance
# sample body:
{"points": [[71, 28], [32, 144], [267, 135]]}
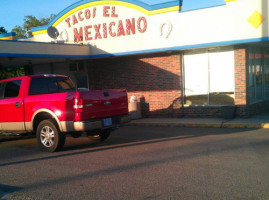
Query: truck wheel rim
{"points": [[47, 136]]}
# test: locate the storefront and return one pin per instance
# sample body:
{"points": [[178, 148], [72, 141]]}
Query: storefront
{"points": [[177, 61]]}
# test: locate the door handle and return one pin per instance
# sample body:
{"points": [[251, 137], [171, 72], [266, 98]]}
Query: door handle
{"points": [[107, 103], [17, 104]]}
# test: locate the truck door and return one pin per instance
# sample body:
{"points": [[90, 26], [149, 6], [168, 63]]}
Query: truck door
{"points": [[11, 106]]}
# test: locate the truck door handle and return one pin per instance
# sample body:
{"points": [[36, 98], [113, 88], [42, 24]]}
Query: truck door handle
{"points": [[107, 103], [17, 104]]}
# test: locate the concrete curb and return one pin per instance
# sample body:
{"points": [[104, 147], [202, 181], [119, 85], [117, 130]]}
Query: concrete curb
{"points": [[246, 125], [227, 124], [174, 124]]}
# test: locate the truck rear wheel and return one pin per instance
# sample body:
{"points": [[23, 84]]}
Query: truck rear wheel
{"points": [[49, 137]]}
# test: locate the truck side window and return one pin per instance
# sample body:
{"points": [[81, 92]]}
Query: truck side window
{"points": [[12, 89], [38, 86], [53, 85], [65, 85], [50, 85]]}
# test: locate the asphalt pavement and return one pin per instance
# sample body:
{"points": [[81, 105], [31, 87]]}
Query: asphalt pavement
{"points": [[141, 163], [256, 121]]}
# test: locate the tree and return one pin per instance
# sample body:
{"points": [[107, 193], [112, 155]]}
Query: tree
{"points": [[30, 22], [11, 72], [2, 30], [47, 20], [20, 32]]}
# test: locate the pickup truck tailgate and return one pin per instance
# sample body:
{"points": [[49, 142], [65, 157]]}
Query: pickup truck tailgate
{"points": [[103, 103]]}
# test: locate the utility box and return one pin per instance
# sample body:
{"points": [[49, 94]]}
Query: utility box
{"points": [[134, 108]]}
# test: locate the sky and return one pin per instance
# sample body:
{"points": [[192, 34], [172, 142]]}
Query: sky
{"points": [[12, 12]]}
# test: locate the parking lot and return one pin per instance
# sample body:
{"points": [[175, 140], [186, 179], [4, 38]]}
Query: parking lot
{"points": [[141, 162]]}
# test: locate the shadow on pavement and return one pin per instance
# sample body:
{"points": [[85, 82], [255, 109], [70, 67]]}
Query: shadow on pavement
{"points": [[128, 137], [6, 189]]}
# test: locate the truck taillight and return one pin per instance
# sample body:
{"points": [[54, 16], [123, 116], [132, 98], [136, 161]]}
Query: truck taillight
{"points": [[78, 105]]}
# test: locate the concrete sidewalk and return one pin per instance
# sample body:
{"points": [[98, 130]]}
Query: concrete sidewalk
{"points": [[257, 121]]}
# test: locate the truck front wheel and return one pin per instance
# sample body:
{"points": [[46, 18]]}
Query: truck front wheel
{"points": [[49, 137]]}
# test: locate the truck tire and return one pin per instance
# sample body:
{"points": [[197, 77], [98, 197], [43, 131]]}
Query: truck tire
{"points": [[49, 137]]}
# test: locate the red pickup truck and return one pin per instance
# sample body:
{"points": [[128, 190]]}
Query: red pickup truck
{"points": [[51, 107]]}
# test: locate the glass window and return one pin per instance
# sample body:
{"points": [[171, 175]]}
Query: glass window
{"points": [[82, 82], [251, 76], [38, 86], [221, 81], [209, 77], [259, 74], [73, 67], [65, 85], [266, 73], [12, 89], [80, 67], [196, 77], [52, 84]]}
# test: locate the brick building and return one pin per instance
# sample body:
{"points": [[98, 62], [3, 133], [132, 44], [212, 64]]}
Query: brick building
{"points": [[177, 61]]}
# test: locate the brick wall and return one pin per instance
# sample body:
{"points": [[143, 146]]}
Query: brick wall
{"points": [[154, 79], [203, 111], [240, 76], [240, 55]]}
